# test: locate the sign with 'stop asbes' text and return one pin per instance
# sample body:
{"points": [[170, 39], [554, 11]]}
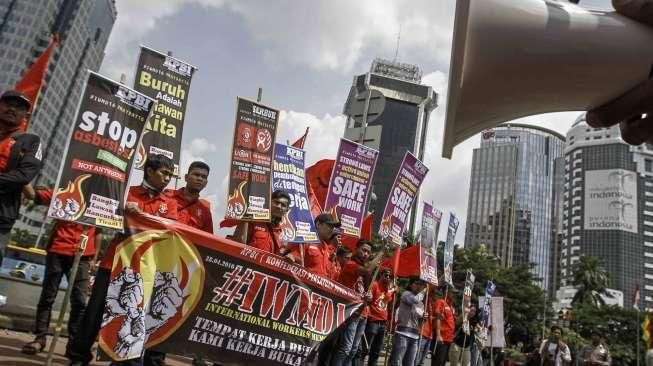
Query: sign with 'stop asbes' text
{"points": [[93, 177]]}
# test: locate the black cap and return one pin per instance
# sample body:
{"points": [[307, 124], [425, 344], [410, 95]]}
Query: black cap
{"points": [[14, 94], [326, 218]]}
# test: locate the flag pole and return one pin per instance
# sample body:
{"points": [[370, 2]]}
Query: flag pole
{"points": [[421, 322], [392, 318], [83, 240]]}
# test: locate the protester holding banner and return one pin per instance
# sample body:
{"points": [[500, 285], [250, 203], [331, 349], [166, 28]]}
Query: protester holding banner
{"points": [[20, 160], [263, 235], [343, 256], [460, 349], [191, 209], [382, 291], [318, 257], [409, 318], [356, 275], [147, 198], [427, 329], [444, 327], [61, 248]]}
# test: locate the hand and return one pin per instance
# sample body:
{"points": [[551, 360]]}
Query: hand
{"points": [[627, 110], [29, 192], [439, 338], [132, 207]]}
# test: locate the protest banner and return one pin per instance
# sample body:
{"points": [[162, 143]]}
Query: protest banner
{"points": [[186, 292], [485, 304], [250, 177], [429, 244], [467, 300], [448, 249], [92, 181], [167, 80], [289, 175], [402, 194], [494, 332], [349, 185]]}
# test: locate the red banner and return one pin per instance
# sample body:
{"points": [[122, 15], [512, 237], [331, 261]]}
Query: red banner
{"points": [[182, 291]]}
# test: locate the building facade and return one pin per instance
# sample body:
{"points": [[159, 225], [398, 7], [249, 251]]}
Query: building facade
{"points": [[512, 198], [396, 122], [608, 208], [26, 27]]}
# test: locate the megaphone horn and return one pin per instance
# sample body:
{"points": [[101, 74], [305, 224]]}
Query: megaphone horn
{"points": [[514, 58]]}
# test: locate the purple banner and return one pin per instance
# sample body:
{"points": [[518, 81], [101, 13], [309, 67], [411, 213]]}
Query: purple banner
{"points": [[448, 249], [404, 191], [350, 185], [428, 267]]}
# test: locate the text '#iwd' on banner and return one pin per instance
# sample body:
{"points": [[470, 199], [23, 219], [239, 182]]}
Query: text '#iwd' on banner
{"points": [[95, 169]]}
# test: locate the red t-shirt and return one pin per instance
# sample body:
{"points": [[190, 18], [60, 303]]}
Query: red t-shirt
{"points": [[265, 237], [445, 312], [157, 204], [350, 277], [66, 235], [427, 326], [317, 258], [195, 213], [381, 297]]}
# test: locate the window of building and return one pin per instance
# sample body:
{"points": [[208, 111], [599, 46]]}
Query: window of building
{"points": [[648, 165]]}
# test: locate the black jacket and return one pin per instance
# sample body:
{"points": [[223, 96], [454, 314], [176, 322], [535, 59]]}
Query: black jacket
{"points": [[22, 166]]}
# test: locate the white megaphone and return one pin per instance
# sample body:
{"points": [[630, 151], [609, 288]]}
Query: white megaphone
{"points": [[514, 58]]}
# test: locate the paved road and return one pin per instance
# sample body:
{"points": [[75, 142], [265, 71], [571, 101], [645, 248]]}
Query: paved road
{"points": [[11, 343]]}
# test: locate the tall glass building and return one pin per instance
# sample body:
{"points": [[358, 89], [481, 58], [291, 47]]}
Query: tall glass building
{"points": [[395, 125], [25, 31], [511, 196], [608, 208]]}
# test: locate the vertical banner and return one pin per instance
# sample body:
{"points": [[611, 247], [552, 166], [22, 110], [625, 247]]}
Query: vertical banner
{"points": [[485, 305], [251, 161], [167, 80], [289, 175], [402, 194], [93, 178], [448, 249], [429, 244], [467, 300], [495, 337], [350, 185]]}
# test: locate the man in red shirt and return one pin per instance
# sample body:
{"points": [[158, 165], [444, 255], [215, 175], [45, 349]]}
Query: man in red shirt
{"points": [[444, 326], [263, 235], [191, 209], [343, 256], [356, 275], [147, 198], [318, 257], [61, 248], [382, 291]]}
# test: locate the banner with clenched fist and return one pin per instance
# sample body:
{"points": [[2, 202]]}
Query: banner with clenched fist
{"points": [[185, 292]]}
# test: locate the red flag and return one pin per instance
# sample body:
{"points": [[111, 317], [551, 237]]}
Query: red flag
{"points": [[301, 141], [404, 263], [228, 223], [32, 80], [316, 208], [318, 176]]}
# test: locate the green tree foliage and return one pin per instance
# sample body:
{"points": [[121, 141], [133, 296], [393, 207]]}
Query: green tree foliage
{"points": [[591, 279]]}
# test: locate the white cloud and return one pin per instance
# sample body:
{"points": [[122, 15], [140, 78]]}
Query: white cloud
{"points": [[323, 137]]}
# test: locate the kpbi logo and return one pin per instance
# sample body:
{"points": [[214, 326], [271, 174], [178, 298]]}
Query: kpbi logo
{"points": [[134, 99], [365, 151], [295, 153], [177, 66], [420, 167]]}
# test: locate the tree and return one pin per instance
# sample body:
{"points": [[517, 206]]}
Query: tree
{"points": [[591, 279]]}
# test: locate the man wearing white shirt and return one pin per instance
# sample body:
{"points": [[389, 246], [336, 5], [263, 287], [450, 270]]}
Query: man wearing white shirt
{"points": [[409, 315], [554, 351]]}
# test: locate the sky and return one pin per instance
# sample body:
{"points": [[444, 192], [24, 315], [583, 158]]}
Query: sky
{"points": [[303, 54]]}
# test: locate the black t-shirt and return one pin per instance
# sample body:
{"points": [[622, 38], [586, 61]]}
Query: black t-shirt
{"points": [[465, 340]]}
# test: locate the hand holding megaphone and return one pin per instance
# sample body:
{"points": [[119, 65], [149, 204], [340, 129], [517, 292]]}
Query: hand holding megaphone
{"points": [[629, 108]]}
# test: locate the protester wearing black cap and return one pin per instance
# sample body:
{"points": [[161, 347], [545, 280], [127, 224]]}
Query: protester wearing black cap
{"points": [[596, 353], [20, 159]]}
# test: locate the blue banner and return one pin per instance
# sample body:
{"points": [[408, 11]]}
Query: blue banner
{"points": [[288, 174]]}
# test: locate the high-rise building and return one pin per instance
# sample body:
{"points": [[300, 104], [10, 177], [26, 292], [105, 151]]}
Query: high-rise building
{"points": [[608, 208], [26, 27], [397, 120], [512, 198]]}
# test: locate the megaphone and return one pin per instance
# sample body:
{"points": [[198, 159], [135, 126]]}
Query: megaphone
{"points": [[515, 58]]}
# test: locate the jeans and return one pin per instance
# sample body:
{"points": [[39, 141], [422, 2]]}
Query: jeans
{"points": [[440, 353], [458, 355], [475, 356], [349, 342], [56, 265], [424, 348], [80, 347], [404, 350], [374, 332]]}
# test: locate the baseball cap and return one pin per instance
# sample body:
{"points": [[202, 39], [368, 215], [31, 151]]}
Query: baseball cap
{"points": [[14, 94], [326, 218]]}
